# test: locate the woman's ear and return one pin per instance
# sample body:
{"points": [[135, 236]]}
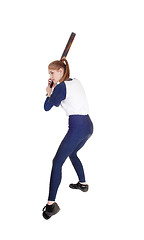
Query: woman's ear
{"points": [[61, 70]]}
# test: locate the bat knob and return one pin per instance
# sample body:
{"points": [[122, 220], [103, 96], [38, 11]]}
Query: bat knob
{"points": [[52, 83]]}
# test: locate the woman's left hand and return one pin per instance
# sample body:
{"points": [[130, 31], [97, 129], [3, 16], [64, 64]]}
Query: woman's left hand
{"points": [[48, 90]]}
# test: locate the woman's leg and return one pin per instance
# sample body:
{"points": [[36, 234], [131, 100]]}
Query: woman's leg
{"points": [[77, 163], [80, 129], [67, 146]]}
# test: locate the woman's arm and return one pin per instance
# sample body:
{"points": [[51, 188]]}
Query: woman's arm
{"points": [[58, 95], [48, 104]]}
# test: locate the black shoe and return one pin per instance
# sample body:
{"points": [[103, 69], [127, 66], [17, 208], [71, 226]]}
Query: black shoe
{"points": [[82, 187], [50, 210]]}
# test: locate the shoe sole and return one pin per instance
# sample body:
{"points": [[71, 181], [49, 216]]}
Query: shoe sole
{"points": [[83, 190]]}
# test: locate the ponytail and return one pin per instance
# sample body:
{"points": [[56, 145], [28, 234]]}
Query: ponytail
{"points": [[66, 70], [60, 64]]}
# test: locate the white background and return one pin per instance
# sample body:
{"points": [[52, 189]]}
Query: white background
{"points": [[107, 55]]}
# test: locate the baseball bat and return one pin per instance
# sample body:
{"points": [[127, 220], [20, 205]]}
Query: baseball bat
{"points": [[67, 48]]}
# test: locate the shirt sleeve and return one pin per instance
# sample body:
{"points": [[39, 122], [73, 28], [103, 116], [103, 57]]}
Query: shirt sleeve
{"points": [[58, 95]]}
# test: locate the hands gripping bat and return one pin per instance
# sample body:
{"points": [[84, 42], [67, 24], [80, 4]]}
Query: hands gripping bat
{"points": [[67, 48]]}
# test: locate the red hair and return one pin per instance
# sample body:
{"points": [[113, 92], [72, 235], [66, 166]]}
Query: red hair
{"points": [[56, 65]]}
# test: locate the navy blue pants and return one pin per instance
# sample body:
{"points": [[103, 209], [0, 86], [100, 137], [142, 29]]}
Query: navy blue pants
{"points": [[80, 129]]}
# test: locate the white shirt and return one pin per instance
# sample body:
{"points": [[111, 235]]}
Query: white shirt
{"points": [[75, 102]]}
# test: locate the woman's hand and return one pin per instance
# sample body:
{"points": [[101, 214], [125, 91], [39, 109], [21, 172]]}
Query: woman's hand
{"points": [[49, 89]]}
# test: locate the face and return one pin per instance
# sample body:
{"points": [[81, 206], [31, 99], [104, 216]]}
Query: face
{"points": [[55, 75]]}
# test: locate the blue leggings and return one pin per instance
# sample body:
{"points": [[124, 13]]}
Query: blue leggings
{"points": [[80, 129]]}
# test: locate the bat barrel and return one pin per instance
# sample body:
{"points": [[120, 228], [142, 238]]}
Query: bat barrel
{"points": [[69, 43]]}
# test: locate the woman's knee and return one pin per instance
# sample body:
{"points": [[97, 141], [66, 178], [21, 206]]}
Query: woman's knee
{"points": [[58, 161], [73, 157]]}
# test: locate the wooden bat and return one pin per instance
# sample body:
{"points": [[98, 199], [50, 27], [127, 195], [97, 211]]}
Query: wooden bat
{"points": [[69, 43], [67, 48]]}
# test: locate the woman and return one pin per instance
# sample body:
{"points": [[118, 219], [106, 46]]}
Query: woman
{"points": [[70, 94]]}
